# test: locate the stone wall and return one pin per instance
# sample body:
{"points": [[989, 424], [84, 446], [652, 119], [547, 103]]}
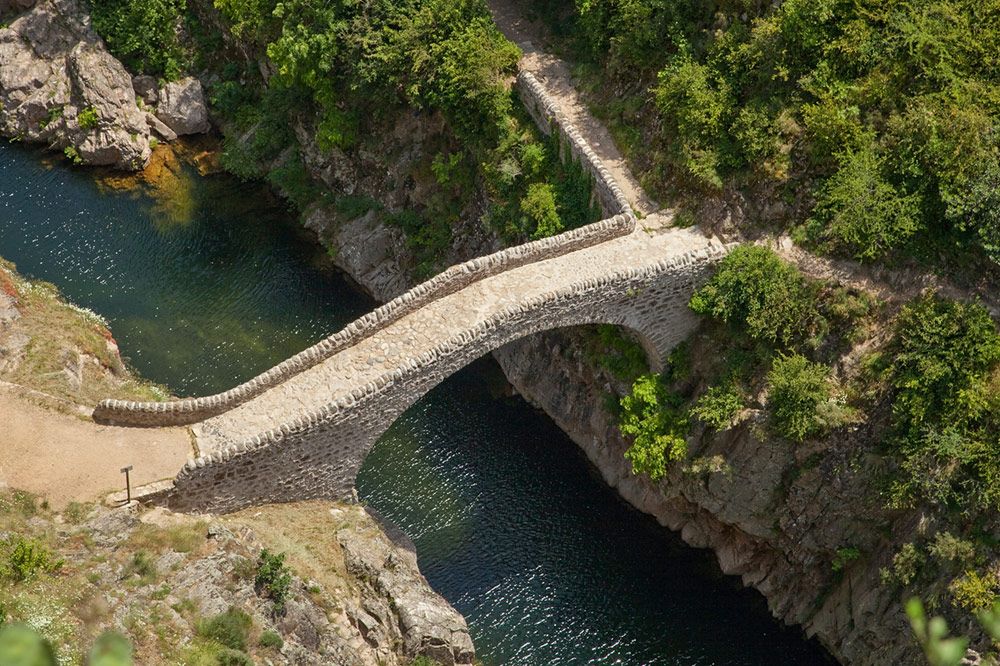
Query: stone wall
{"points": [[549, 119], [456, 278], [318, 454]]}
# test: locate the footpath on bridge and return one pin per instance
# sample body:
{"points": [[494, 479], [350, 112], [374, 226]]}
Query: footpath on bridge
{"points": [[303, 428]]}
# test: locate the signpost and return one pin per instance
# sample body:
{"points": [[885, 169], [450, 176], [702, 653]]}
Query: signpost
{"points": [[128, 486]]}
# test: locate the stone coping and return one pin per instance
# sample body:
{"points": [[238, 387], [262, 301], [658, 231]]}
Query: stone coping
{"points": [[193, 410]]}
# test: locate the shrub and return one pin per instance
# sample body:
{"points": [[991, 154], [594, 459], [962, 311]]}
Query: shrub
{"points": [[720, 406], [142, 33], [650, 416], [230, 657], [88, 118], [143, 566], [539, 209], [952, 550], [974, 591], [906, 566], [273, 579], [271, 639], [230, 628], [22, 646], [111, 649], [756, 291], [28, 558], [844, 556], [796, 390], [944, 351], [863, 213]]}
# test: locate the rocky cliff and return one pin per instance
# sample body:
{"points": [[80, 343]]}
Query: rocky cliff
{"points": [[59, 86]]}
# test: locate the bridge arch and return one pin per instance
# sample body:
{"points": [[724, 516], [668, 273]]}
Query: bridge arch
{"points": [[318, 453]]}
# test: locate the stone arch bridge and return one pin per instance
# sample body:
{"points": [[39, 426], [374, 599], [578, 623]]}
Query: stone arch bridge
{"points": [[302, 429]]}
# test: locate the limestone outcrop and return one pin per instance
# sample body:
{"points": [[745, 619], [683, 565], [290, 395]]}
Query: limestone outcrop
{"points": [[181, 106], [60, 86]]}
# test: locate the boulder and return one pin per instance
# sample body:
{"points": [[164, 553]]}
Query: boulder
{"points": [[182, 106], [145, 89], [160, 128], [53, 68]]}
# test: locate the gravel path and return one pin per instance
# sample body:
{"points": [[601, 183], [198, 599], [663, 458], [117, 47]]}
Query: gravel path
{"points": [[63, 457], [555, 75]]}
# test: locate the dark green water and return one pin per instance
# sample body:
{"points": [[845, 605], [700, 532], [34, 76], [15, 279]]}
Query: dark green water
{"points": [[215, 283]]}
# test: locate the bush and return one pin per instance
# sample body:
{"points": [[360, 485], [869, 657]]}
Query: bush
{"points": [[944, 352], [271, 639], [950, 550], [142, 33], [539, 209], [861, 212], [230, 657], [651, 417], [230, 628], [720, 406], [88, 118], [974, 591], [143, 566], [796, 390], [110, 649], [20, 646], [28, 558], [906, 566], [756, 291], [273, 579]]}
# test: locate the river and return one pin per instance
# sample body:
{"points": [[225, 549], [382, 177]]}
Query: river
{"points": [[207, 281]]}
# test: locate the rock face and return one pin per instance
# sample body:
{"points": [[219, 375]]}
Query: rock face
{"points": [[181, 106], [60, 86], [402, 601]]}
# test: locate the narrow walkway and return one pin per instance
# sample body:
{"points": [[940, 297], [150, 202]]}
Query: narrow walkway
{"points": [[401, 344], [64, 458], [555, 75]]}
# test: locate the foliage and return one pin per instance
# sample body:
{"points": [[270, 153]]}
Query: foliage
{"points": [[797, 388], [142, 565], [974, 591], [861, 212], [539, 207], [845, 556], [20, 646], [230, 628], [110, 649], [938, 647], [27, 558], [933, 637], [88, 118], [888, 110], [906, 566], [650, 416], [142, 33], [949, 549], [719, 407], [944, 378], [617, 352], [270, 638], [274, 579], [755, 289]]}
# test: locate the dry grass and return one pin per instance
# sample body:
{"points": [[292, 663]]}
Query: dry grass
{"points": [[70, 352]]}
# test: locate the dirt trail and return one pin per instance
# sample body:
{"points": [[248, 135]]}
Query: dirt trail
{"points": [[555, 75], [62, 457]]}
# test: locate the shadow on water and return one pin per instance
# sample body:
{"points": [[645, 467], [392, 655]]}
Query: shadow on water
{"points": [[207, 281]]}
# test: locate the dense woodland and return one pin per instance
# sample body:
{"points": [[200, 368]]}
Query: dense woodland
{"points": [[874, 123]]}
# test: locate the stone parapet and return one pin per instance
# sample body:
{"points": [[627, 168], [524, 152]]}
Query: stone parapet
{"points": [[456, 278]]}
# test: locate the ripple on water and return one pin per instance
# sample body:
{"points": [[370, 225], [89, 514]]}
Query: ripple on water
{"points": [[511, 526]]}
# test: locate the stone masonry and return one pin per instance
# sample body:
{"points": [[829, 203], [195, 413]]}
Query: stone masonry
{"points": [[302, 429]]}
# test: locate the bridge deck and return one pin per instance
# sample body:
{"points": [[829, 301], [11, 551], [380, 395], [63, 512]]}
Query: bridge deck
{"points": [[420, 331]]}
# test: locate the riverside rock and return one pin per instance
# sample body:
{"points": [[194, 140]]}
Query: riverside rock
{"points": [[53, 68], [182, 106]]}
